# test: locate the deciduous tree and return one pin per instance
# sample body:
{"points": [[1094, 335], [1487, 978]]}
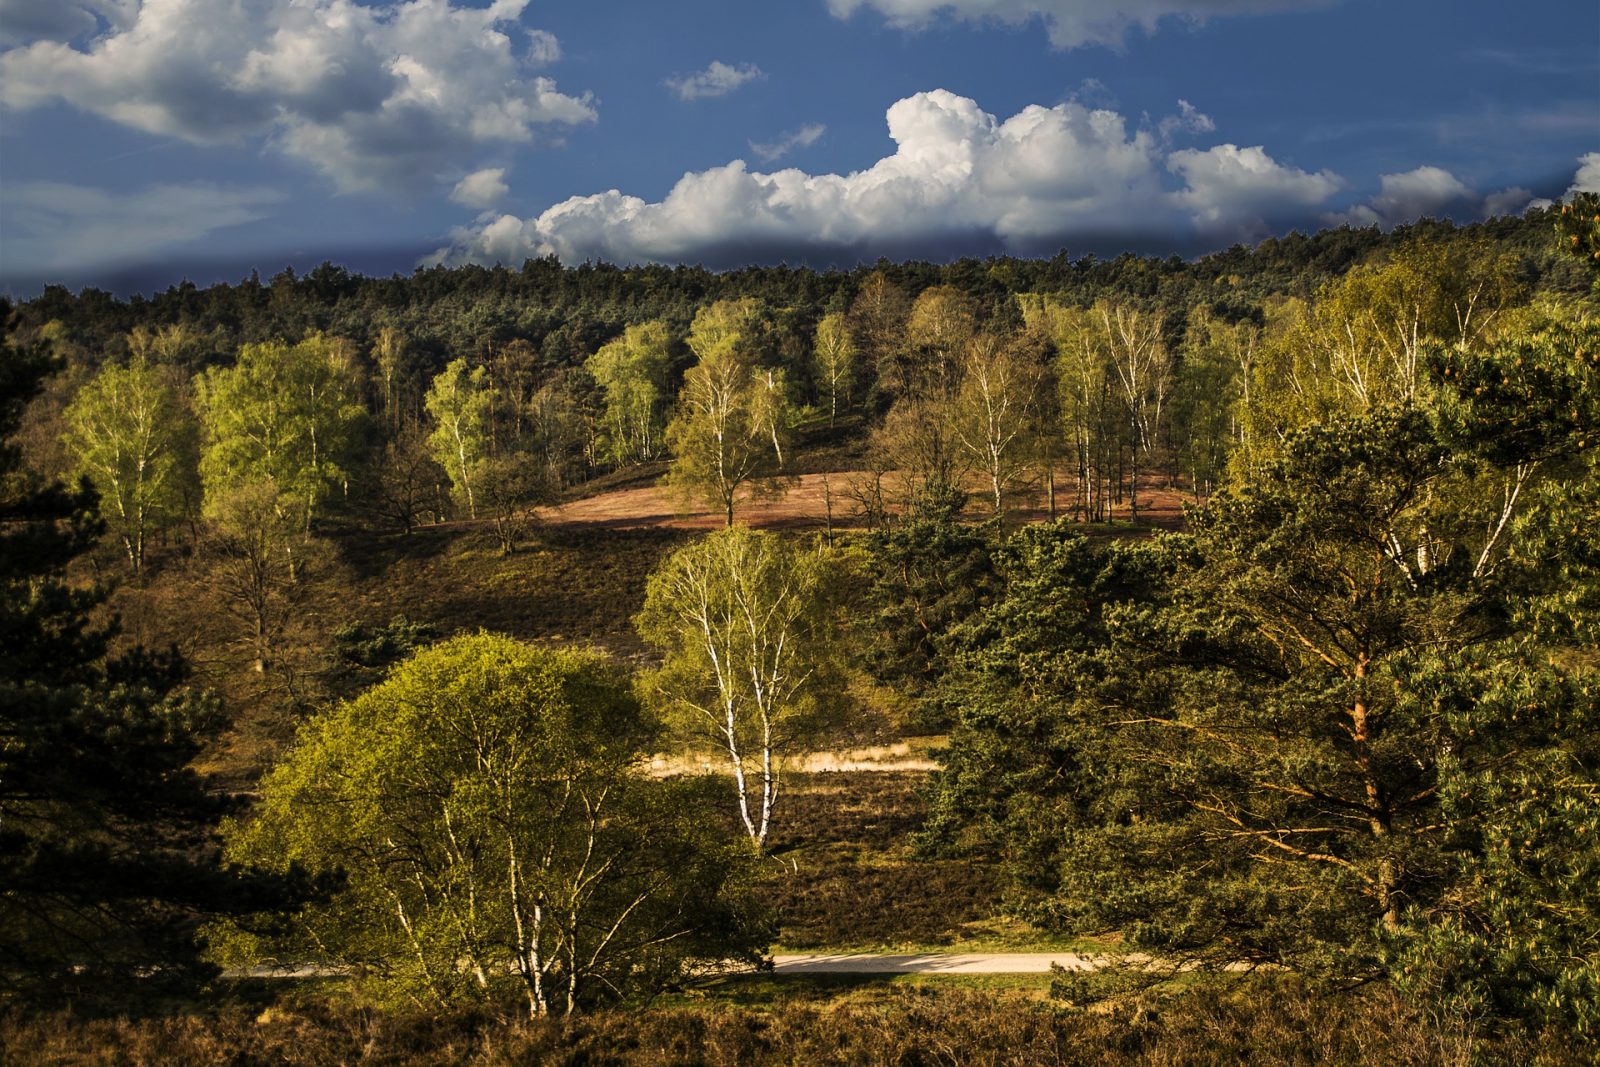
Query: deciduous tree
{"points": [[108, 858], [1285, 740], [834, 353], [633, 372], [498, 837], [731, 417], [131, 436], [993, 410], [459, 401], [748, 626], [289, 414]]}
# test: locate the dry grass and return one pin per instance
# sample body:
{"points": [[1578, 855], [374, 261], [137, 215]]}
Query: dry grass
{"points": [[837, 1023], [843, 875], [565, 584]]}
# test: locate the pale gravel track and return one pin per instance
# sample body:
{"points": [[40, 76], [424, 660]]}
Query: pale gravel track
{"points": [[932, 963], [818, 963]]}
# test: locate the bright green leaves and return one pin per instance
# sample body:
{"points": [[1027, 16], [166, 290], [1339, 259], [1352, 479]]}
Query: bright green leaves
{"points": [[749, 627], [460, 401], [733, 416], [633, 372], [133, 438], [496, 835], [285, 415]]}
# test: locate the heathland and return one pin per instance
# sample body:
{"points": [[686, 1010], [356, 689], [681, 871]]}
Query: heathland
{"points": [[531, 654]]}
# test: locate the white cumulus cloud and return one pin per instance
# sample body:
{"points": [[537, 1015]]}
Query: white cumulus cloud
{"points": [[1243, 191], [389, 96], [959, 179], [1406, 197], [804, 137], [482, 188], [719, 79], [1587, 180], [58, 226], [1070, 23]]}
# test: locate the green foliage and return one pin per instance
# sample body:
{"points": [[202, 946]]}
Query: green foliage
{"points": [[132, 438], [928, 573], [1530, 404], [1517, 932], [1283, 741], [257, 547], [733, 416], [1207, 396], [835, 355], [633, 372], [748, 624], [1578, 230], [1113, 374], [993, 413], [288, 414], [459, 401], [497, 838], [1363, 343], [367, 651]]}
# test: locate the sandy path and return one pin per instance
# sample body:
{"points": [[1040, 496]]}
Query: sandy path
{"points": [[933, 963], [850, 963]]}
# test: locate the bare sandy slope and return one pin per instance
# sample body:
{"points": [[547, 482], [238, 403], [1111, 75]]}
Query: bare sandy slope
{"points": [[806, 504]]}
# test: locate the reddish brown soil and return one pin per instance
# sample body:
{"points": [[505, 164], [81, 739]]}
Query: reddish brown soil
{"points": [[805, 505]]}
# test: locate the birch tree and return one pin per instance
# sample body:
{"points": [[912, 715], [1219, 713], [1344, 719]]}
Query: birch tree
{"points": [[1084, 394], [459, 402], [749, 637], [289, 414], [1142, 370], [835, 354], [1375, 322], [633, 372], [732, 417], [992, 413], [130, 434], [498, 838], [877, 320], [939, 327]]}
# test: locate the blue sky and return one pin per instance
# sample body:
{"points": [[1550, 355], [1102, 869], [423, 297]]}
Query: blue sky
{"points": [[147, 141]]}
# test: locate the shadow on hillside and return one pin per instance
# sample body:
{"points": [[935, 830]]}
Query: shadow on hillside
{"points": [[369, 555]]}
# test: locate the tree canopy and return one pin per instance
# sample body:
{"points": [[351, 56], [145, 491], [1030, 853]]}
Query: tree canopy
{"points": [[486, 808]]}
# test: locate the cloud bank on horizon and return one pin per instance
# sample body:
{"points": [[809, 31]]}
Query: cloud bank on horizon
{"points": [[962, 179], [1071, 23]]}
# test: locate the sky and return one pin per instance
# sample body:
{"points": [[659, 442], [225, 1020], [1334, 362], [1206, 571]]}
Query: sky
{"points": [[146, 142]]}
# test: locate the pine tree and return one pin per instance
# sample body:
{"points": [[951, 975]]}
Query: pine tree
{"points": [[107, 860]]}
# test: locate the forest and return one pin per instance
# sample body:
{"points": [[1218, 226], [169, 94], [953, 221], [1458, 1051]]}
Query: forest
{"points": [[437, 668]]}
